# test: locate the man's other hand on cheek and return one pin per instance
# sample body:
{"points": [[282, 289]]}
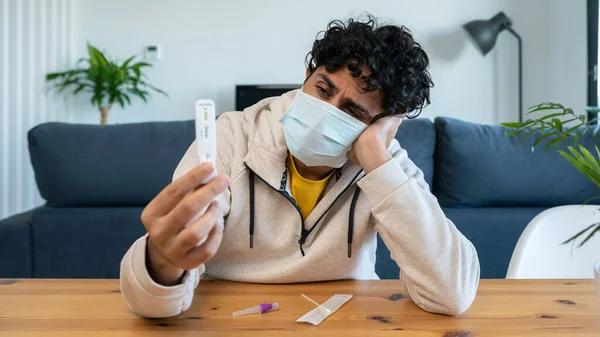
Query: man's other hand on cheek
{"points": [[370, 149]]}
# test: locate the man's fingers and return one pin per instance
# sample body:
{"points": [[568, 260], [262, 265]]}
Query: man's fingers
{"points": [[171, 195], [204, 252], [196, 201], [198, 231]]}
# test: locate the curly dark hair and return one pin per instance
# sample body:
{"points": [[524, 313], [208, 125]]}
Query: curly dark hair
{"points": [[397, 64]]}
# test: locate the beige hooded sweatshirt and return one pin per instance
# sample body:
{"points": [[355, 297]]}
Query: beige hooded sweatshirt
{"points": [[439, 266]]}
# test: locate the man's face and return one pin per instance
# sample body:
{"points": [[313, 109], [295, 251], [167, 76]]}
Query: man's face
{"points": [[343, 91]]}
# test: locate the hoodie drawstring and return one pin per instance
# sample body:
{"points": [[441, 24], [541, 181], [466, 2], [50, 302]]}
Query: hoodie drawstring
{"points": [[351, 220], [251, 189]]}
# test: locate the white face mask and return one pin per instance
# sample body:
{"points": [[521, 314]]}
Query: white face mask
{"points": [[318, 133]]}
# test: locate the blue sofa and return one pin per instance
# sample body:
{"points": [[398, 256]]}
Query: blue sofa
{"points": [[97, 179]]}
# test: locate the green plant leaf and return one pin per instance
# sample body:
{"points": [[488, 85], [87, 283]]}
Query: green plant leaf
{"points": [[126, 63], [592, 233], [557, 124], [67, 83], [589, 158], [79, 88], [555, 141], [53, 76], [569, 121], [572, 160], [581, 164], [531, 132], [97, 55], [139, 93], [576, 154], [574, 237], [545, 136], [140, 65], [120, 100], [126, 97], [572, 129], [513, 125], [554, 115], [545, 106], [590, 200], [159, 91]]}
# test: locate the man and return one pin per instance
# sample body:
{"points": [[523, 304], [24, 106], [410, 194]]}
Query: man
{"points": [[288, 204]]}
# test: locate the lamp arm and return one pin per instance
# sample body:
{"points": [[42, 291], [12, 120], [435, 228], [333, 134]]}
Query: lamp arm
{"points": [[516, 35]]}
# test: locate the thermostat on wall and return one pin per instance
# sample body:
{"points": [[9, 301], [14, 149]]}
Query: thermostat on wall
{"points": [[152, 53]]}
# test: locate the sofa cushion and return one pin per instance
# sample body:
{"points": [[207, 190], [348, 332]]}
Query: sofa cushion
{"points": [[494, 231], [417, 137], [15, 246], [385, 267], [85, 242], [123, 165], [481, 165]]}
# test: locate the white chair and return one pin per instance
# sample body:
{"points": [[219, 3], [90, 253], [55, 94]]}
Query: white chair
{"points": [[540, 253]]}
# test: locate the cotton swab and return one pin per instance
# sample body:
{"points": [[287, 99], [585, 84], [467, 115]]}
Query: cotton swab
{"points": [[317, 304]]}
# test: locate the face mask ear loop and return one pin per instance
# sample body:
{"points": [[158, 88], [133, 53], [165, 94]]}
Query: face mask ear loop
{"points": [[383, 115], [377, 117]]}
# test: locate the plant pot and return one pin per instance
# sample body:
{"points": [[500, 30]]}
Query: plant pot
{"points": [[104, 114]]}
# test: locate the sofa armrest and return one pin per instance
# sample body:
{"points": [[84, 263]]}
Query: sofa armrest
{"points": [[15, 246]]}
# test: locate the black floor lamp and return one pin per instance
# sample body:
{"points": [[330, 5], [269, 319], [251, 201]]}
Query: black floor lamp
{"points": [[484, 34]]}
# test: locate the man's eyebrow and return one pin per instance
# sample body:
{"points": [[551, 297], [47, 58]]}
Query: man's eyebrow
{"points": [[328, 81], [352, 104], [348, 102]]}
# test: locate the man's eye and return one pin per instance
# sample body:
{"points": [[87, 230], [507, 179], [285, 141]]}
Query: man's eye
{"points": [[322, 91], [353, 113]]}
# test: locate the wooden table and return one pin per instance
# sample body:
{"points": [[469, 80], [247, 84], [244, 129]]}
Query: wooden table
{"points": [[81, 308]]}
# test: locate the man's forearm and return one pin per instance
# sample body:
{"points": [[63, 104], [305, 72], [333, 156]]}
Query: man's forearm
{"points": [[439, 265]]}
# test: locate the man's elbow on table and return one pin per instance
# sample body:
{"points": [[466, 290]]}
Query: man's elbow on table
{"points": [[458, 290], [458, 305], [145, 309], [152, 305], [452, 305], [145, 297], [460, 296], [447, 296]]}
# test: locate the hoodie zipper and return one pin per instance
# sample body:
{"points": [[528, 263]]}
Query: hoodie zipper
{"points": [[305, 233]]}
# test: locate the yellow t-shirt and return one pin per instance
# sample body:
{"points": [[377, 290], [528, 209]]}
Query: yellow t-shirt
{"points": [[306, 192]]}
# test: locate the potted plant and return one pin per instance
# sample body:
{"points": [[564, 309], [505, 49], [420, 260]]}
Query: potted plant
{"points": [[557, 125], [108, 81]]}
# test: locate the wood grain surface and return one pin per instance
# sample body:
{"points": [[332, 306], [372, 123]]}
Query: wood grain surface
{"points": [[81, 308]]}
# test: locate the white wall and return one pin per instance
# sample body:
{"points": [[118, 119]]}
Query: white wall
{"points": [[209, 46], [554, 34], [35, 38]]}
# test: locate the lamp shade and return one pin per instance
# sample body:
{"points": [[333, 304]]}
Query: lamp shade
{"points": [[485, 32]]}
